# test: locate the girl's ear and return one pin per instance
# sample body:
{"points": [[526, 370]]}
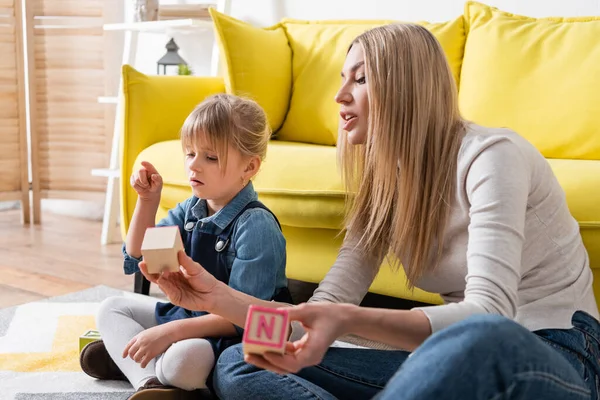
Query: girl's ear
{"points": [[252, 167]]}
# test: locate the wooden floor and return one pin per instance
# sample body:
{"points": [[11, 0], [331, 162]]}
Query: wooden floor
{"points": [[60, 256]]}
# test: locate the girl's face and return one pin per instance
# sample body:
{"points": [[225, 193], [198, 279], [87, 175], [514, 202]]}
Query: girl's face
{"points": [[353, 97], [209, 181]]}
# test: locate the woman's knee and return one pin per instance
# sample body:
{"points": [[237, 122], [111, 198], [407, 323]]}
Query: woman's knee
{"points": [[480, 333], [230, 365], [231, 373]]}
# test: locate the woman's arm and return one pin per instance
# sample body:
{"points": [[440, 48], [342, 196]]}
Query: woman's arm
{"points": [[401, 329], [257, 272], [350, 277], [196, 289], [347, 281], [233, 305], [325, 322]]}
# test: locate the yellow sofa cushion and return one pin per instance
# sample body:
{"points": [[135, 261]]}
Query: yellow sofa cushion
{"points": [[301, 185], [319, 49], [294, 67], [579, 180], [154, 110], [312, 251], [298, 182], [257, 63], [540, 77]]}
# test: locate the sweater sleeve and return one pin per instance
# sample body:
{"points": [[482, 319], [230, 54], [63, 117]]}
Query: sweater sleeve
{"points": [[347, 281], [350, 277], [497, 188]]}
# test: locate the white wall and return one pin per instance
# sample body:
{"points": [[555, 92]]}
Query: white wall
{"points": [[196, 45], [266, 12]]}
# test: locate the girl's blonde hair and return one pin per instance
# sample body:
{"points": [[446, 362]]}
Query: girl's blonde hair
{"points": [[401, 182], [224, 120]]}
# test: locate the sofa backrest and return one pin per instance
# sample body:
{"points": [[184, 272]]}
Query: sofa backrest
{"points": [[292, 69], [257, 63], [539, 77], [318, 53]]}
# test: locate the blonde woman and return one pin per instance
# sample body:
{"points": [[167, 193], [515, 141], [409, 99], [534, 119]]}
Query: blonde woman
{"points": [[472, 213]]}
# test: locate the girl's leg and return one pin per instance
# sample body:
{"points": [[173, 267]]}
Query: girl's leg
{"points": [[119, 319], [488, 357], [186, 364], [343, 374]]}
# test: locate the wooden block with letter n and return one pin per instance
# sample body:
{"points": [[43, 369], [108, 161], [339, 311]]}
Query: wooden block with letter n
{"points": [[160, 247], [266, 330]]}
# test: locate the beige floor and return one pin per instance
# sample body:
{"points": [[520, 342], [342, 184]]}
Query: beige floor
{"points": [[60, 256]]}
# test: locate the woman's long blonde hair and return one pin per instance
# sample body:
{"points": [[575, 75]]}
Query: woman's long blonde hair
{"points": [[401, 182]]}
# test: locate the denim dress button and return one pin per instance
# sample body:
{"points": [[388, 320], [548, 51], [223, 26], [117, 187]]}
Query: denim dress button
{"points": [[189, 226], [220, 246]]}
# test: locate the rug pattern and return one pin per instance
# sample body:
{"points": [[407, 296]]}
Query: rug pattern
{"points": [[39, 351]]}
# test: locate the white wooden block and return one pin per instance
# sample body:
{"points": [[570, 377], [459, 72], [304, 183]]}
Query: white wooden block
{"points": [[266, 330], [160, 247]]}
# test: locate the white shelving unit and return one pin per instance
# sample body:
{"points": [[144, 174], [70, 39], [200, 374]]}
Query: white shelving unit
{"points": [[110, 231], [156, 26]]}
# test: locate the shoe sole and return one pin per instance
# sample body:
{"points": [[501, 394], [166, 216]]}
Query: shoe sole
{"points": [[163, 394]]}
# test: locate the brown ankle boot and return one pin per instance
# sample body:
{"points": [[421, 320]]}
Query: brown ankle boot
{"points": [[154, 390], [97, 363]]}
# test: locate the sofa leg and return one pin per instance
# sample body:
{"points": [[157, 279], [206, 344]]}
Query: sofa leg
{"points": [[141, 284]]}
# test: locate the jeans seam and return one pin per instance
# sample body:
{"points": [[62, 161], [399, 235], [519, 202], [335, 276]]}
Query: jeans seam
{"points": [[588, 335], [501, 394], [559, 347], [589, 365], [547, 376], [299, 384], [350, 378]]}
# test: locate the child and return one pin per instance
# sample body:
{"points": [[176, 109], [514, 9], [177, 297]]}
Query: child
{"points": [[162, 348]]}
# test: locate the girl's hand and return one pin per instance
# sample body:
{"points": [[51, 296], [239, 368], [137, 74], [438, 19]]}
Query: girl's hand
{"points": [[146, 345], [189, 288], [147, 182], [323, 322]]}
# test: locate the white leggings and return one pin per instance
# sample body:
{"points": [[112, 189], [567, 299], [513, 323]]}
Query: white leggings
{"points": [[185, 364]]}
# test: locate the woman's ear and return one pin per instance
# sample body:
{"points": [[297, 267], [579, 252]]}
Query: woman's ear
{"points": [[252, 167]]}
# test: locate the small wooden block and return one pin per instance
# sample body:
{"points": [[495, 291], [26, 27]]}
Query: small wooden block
{"points": [[160, 247], [88, 337], [266, 330]]}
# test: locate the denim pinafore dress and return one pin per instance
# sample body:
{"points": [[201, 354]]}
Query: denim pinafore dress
{"points": [[210, 251]]}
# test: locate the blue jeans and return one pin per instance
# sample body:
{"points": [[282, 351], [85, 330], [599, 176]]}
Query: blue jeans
{"points": [[483, 357]]}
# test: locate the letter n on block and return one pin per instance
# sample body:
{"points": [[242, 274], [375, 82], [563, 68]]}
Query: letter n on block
{"points": [[266, 330]]}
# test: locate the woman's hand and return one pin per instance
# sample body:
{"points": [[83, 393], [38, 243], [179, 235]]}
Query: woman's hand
{"points": [[146, 345], [189, 288], [323, 322], [147, 182]]}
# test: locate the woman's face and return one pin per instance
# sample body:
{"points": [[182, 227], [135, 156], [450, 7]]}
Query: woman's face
{"points": [[353, 97]]}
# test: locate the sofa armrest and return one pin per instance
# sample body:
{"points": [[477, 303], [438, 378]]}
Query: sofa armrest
{"points": [[154, 109]]}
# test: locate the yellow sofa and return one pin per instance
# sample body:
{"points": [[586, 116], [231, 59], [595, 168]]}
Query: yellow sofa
{"points": [[537, 76]]}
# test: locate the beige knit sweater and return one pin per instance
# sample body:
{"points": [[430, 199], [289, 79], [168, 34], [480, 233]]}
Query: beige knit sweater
{"points": [[512, 247]]}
